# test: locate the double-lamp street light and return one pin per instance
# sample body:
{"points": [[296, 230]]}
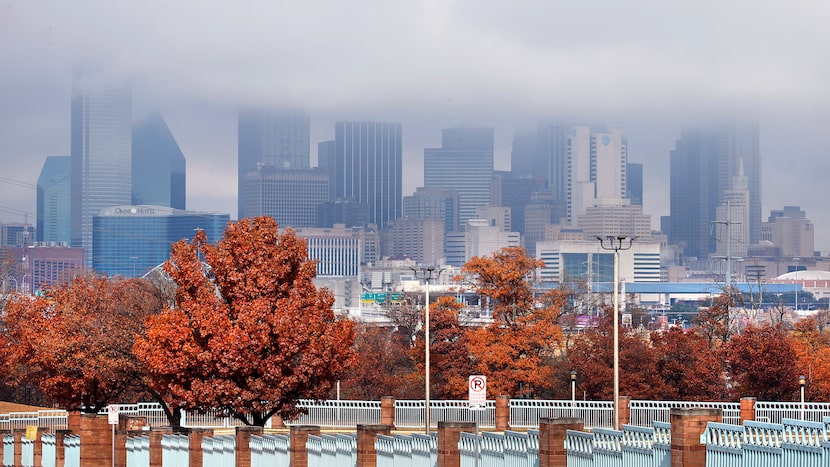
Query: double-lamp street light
{"points": [[426, 273], [616, 243]]}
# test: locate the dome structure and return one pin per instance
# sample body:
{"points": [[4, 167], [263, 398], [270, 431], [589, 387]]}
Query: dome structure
{"points": [[802, 276]]}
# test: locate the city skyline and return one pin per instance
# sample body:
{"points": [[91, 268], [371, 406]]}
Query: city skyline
{"points": [[648, 69]]}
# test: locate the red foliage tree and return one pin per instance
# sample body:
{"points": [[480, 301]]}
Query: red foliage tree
{"points": [[383, 366], [688, 367], [517, 350], [450, 364], [762, 363], [503, 279], [76, 343], [592, 357], [250, 334]]}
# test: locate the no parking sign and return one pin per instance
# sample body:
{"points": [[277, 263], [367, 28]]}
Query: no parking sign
{"points": [[478, 392]]}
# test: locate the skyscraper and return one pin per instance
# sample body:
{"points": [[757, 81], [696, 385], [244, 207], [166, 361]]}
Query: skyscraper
{"points": [[131, 240], [596, 166], [702, 167], [101, 152], [158, 165], [292, 197], [464, 162], [54, 189], [368, 168], [270, 138]]}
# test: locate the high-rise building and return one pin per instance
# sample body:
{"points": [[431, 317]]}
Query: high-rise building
{"points": [[433, 203], [270, 138], [54, 190], [368, 167], [101, 152], [634, 183], [585, 260], [340, 250], [702, 167], [542, 154], [595, 169], [514, 192], [791, 232], [732, 223], [158, 165], [479, 238], [463, 163], [130, 240], [291, 197], [615, 217], [419, 239], [40, 266], [342, 211]]}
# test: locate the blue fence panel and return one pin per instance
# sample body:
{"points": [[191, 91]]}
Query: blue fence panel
{"points": [[804, 443], [637, 446], [138, 451], [762, 444], [328, 450], [425, 450], [314, 447], [257, 446], [47, 441], [281, 451], [723, 444], [467, 445], [517, 449], [402, 447], [346, 450], [8, 450], [491, 449], [608, 447], [579, 447], [662, 444], [72, 451], [27, 452], [385, 449]]}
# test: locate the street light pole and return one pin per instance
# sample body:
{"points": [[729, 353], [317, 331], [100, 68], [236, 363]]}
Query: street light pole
{"points": [[573, 391], [801, 381], [620, 242], [426, 273]]}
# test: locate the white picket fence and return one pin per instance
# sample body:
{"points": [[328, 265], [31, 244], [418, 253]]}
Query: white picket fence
{"points": [[409, 414]]}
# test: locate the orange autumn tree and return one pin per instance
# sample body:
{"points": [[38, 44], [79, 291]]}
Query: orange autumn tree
{"points": [[450, 365], [250, 334], [515, 352], [76, 343]]}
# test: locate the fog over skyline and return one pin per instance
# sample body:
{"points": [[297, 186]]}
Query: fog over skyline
{"points": [[645, 66]]}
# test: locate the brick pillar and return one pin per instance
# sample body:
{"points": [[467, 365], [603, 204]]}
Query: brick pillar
{"points": [[243, 444], [19, 434], [73, 421], [38, 446], [60, 455], [748, 408], [552, 433], [686, 427], [277, 422], [625, 410], [297, 452], [387, 411], [155, 444], [449, 433], [502, 413], [194, 444], [96, 440], [366, 436]]}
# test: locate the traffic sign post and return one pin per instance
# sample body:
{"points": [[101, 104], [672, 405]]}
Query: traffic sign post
{"points": [[478, 392], [477, 385]]}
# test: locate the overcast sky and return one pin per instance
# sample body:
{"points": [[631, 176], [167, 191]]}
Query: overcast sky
{"points": [[647, 67]]}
